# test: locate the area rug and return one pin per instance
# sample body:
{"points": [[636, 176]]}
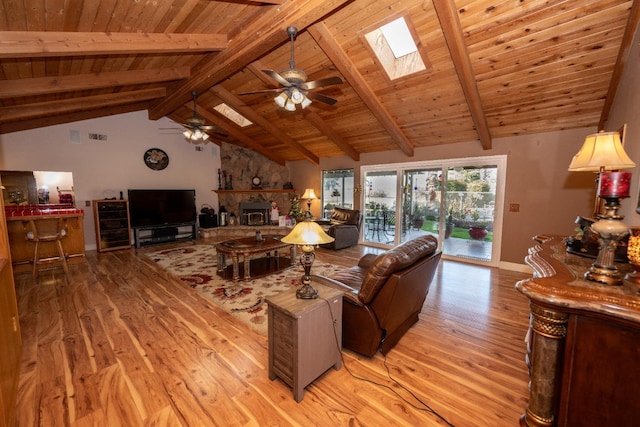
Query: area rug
{"points": [[196, 265]]}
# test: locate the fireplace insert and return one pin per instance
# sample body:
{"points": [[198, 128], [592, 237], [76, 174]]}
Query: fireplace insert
{"points": [[254, 213]]}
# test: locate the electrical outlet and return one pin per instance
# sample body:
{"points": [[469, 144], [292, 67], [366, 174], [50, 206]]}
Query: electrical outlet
{"points": [[514, 207]]}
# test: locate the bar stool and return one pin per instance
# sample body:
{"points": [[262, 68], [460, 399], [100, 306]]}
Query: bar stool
{"points": [[43, 230]]}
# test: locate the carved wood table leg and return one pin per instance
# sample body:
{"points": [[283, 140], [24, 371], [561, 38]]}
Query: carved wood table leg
{"points": [[549, 332], [247, 266], [236, 273]]}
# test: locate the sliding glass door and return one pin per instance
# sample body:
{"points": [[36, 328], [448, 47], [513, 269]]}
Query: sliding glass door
{"points": [[457, 200], [380, 213]]}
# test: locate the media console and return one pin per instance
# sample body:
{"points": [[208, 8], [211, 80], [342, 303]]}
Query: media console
{"points": [[153, 235]]}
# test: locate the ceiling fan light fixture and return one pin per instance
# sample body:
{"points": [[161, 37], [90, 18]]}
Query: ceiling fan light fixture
{"points": [[305, 102], [290, 106], [296, 96], [281, 99]]}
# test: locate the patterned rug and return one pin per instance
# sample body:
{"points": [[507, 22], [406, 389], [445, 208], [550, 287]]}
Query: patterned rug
{"points": [[196, 265]]}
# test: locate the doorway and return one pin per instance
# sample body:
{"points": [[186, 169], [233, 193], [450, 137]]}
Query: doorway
{"points": [[457, 200]]}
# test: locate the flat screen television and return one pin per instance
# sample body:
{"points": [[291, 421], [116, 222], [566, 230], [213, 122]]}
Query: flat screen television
{"points": [[161, 207]]}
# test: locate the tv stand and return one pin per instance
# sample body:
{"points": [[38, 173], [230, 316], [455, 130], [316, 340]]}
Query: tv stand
{"points": [[157, 234]]}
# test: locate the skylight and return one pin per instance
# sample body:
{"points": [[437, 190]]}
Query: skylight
{"points": [[232, 115], [396, 49], [399, 38]]}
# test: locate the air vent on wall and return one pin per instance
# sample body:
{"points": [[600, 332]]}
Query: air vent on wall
{"points": [[97, 137]]}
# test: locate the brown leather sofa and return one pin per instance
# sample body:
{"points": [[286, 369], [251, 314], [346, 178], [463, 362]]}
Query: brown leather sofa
{"points": [[344, 226], [384, 294]]}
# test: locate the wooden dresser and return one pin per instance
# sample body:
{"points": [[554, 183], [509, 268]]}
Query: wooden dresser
{"points": [[583, 347], [305, 336]]}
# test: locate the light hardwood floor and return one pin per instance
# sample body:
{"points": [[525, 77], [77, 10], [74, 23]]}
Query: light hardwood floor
{"points": [[121, 342]]}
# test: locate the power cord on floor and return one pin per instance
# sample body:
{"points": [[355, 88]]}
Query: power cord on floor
{"points": [[425, 407]]}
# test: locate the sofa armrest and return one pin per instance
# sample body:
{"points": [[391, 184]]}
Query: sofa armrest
{"points": [[342, 231], [366, 260], [350, 294]]}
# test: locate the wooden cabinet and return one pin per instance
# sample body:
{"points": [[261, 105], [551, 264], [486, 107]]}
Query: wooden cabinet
{"points": [[10, 338], [111, 218], [305, 337], [583, 347]]}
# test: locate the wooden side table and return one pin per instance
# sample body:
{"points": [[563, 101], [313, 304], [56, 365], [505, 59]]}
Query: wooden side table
{"points": [[305, 337]]}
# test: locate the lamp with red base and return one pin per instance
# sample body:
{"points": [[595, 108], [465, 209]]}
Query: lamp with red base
{"points": [[603, 152], [613, 186]]}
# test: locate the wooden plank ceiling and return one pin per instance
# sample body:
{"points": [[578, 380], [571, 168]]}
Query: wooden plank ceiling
{"points": [[495, 68]]}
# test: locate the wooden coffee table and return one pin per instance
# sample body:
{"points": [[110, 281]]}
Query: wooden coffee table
{"points": [[248, 247]]}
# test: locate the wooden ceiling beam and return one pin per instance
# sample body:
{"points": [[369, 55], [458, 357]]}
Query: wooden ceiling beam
{"points": [[42, 44], [621, 61], [327, 43], [328, 131], [452, 29], [60, 84], [256, 68], [67, 106], [235, 103], [236, 133], [256, 40]]}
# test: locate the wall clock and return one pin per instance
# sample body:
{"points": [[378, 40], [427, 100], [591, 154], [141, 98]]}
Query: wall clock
{"points": [[156, 159], [256, 183]]}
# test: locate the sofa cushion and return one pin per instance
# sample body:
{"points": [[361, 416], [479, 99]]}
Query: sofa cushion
{"points": [[396, 259], [340, 216]]}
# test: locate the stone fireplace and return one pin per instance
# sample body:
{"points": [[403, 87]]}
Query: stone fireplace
{"points": [[243, 165]]}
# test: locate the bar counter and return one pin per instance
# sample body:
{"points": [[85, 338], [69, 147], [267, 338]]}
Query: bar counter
{"points": [[22, 250]]}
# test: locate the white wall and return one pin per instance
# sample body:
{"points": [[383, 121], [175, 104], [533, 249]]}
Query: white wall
{"points": [[116, 164]]}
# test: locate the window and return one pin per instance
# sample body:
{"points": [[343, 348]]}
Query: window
{"points": [[232, 115], [337, 190], [397, 49]]}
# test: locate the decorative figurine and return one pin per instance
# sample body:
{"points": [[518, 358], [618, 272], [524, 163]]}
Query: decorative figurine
{"points": [[274, 213]]}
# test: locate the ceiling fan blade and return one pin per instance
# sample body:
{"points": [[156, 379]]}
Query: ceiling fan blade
{"points": [[322, 98], [261, 91], [277, 77], [322, 82]]}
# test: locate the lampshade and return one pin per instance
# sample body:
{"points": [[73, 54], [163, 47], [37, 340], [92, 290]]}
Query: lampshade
{"points": [[309, 194], [307, 233], [601, 151], [281, 99]]}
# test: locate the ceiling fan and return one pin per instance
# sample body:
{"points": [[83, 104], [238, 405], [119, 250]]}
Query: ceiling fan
{"points": [[296, 90], [196, 130]]}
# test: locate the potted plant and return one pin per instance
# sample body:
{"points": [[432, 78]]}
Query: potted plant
{"points": [[418, 217], [449, 225], [478, 229]]}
